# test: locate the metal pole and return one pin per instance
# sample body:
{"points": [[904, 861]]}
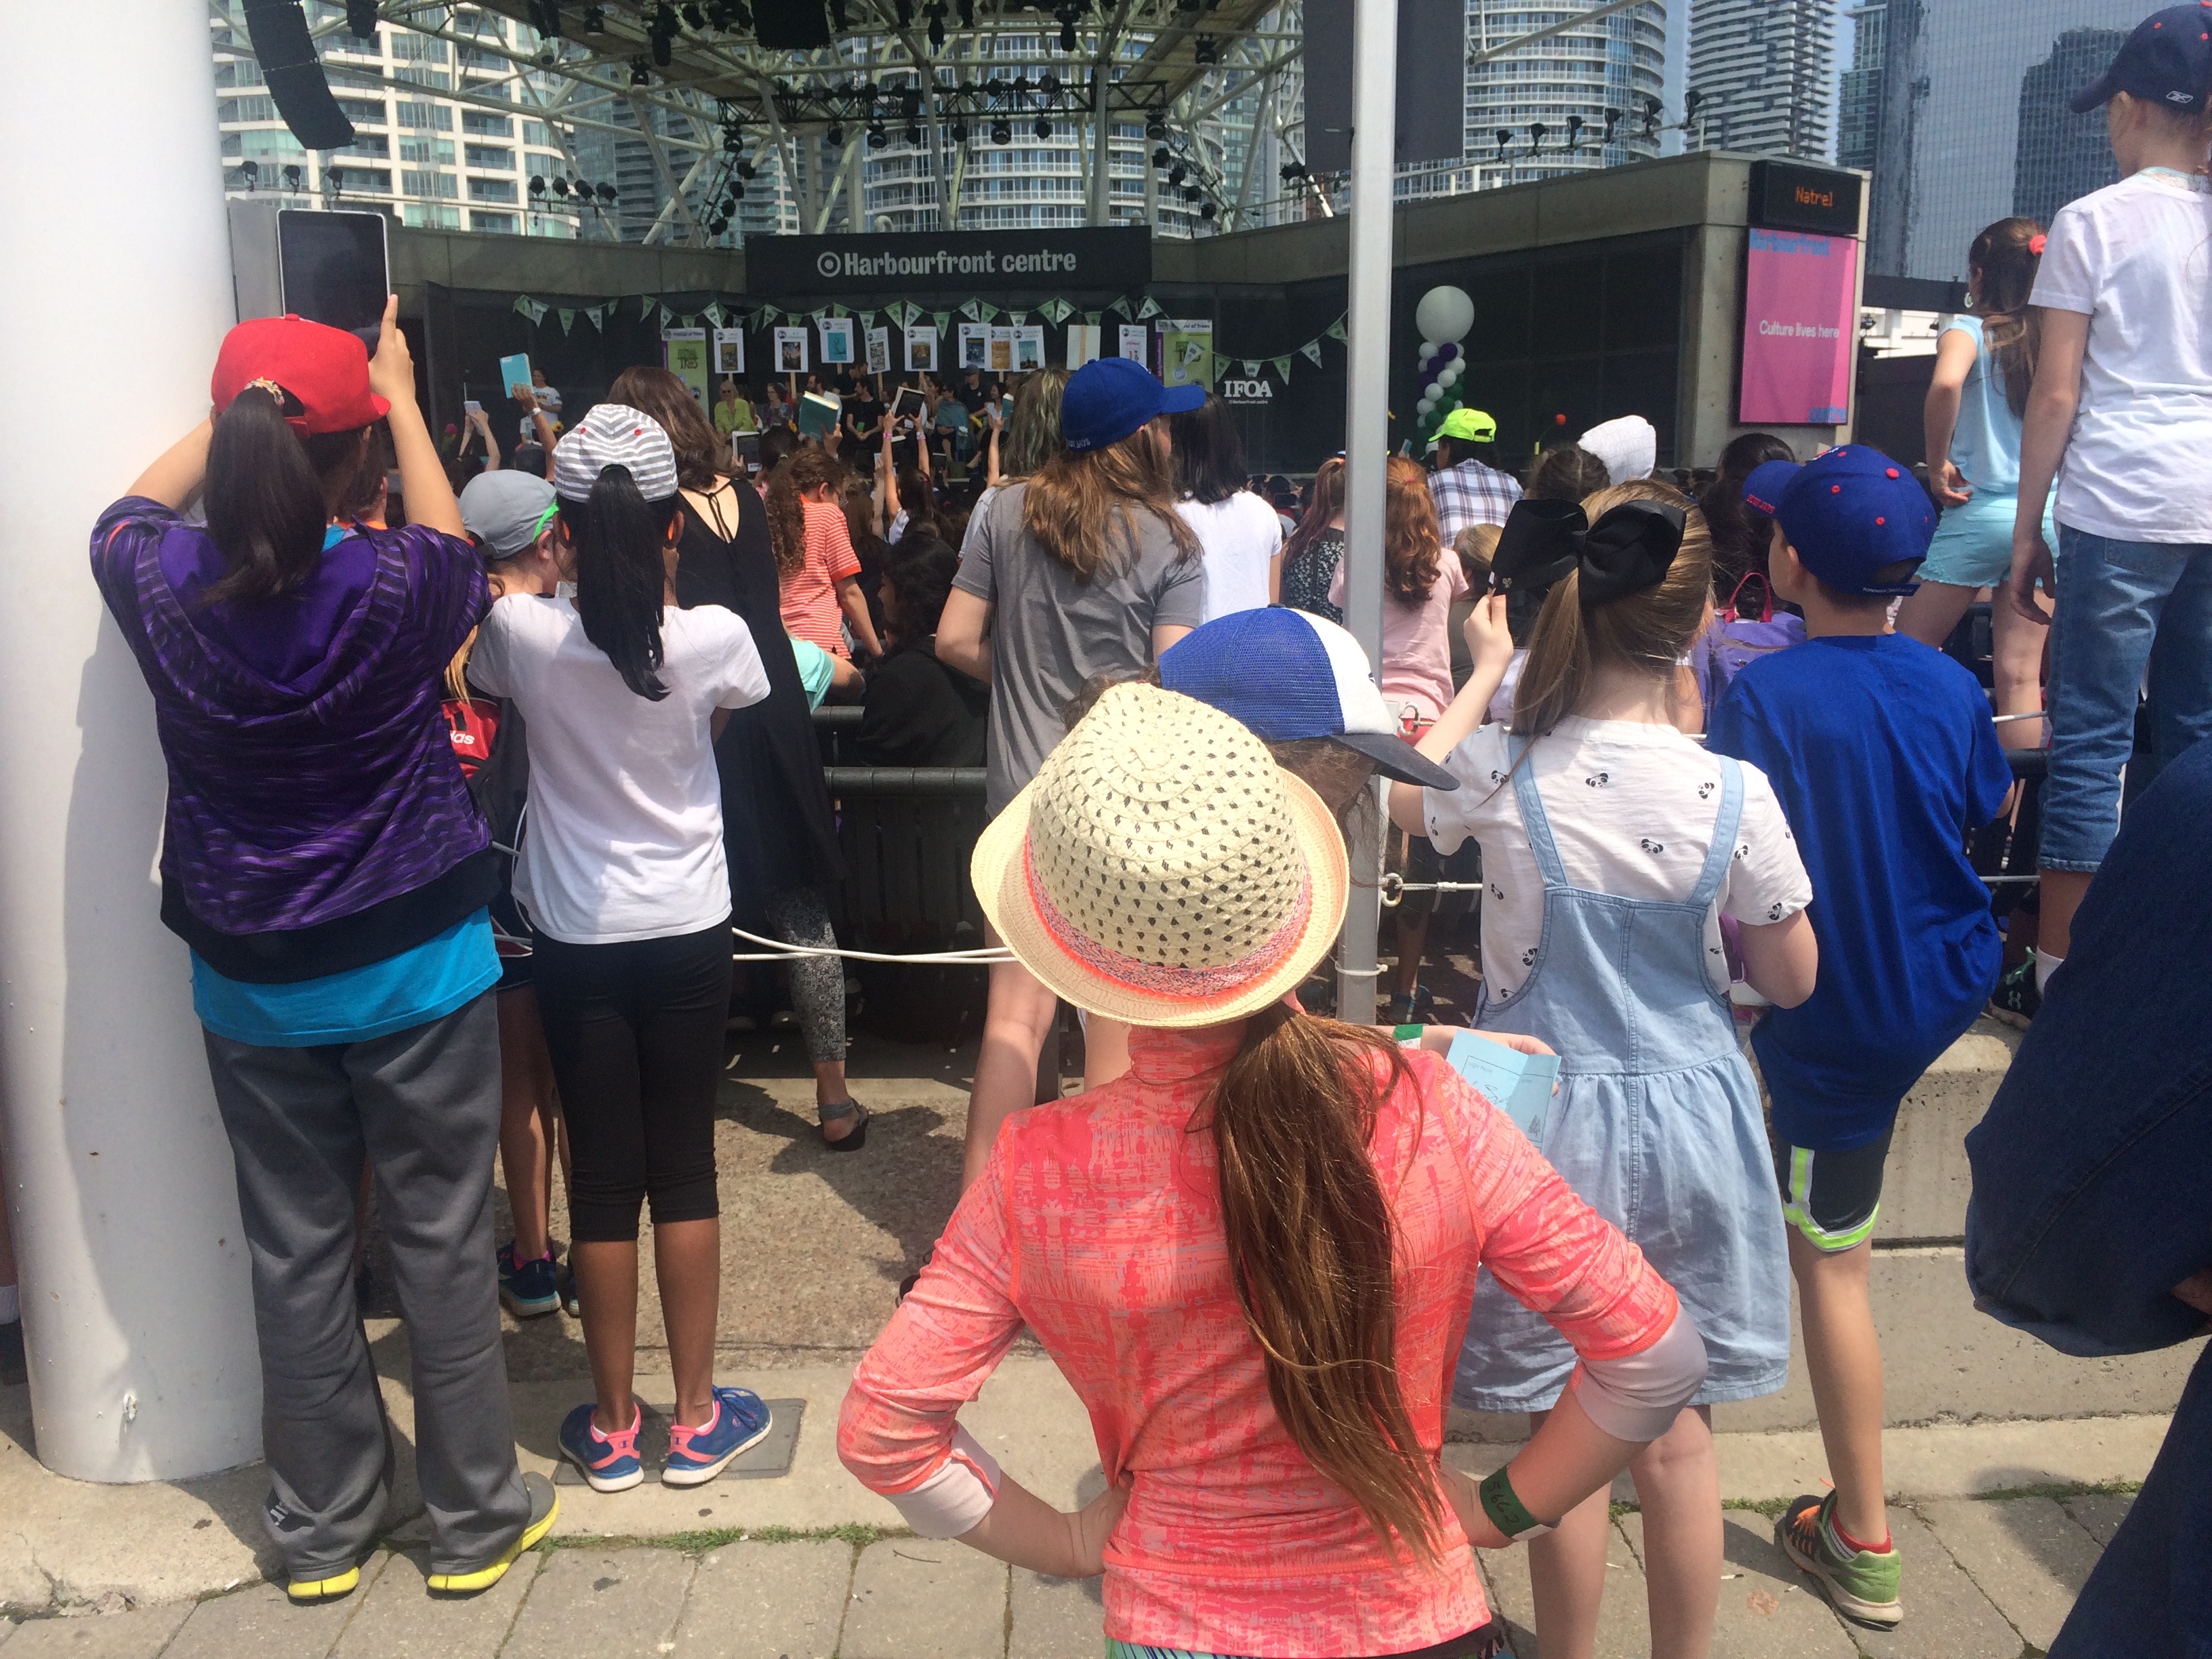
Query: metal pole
{"points": [[137, 1311], [1367, 434]]}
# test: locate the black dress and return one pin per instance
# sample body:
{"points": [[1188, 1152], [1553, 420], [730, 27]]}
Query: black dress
{"points": [[776, 823]]}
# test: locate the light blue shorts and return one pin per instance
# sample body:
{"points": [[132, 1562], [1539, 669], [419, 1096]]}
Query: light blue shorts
{"points": [[1973, 543]]}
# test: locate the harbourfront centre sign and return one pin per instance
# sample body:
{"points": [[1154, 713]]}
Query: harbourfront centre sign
{"points": [[1101, 260]]}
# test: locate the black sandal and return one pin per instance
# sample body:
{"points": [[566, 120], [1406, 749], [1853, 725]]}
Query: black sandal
{"points": [[825, 1115]]}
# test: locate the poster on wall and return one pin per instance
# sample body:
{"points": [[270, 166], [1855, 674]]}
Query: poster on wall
{"points": [[683, 354], [974, 345], [1187, 351], [1082, 345], [1135, 341], [1029, 347], [1799, 301], [921, 349], [791, 351], [879, 351], [729, 351], [838, 347], [1002, 347]]}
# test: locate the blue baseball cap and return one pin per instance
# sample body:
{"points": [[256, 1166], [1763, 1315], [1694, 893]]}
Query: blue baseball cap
{"points": [[1848, 513], [2167, 60], [1287, 674], [1109, 398]]}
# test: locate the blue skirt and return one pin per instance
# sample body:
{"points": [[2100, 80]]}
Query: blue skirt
{"points": [[1679, 1162]]}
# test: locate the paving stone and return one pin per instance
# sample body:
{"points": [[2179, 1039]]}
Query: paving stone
{"points": [[1623, 1620], [1056, 1617], [1767, 1607], [139, 1634], [610, 1604], [766, 1601], [1945, 1615], [400, 1618], [920, 1598], [2099, 1513], [262, 1623], [2028, 1555]]}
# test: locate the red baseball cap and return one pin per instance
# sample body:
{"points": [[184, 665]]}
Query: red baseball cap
{"points": [[320, 373]]}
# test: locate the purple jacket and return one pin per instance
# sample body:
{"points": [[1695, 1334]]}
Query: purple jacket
{"points": [[314, 794]]}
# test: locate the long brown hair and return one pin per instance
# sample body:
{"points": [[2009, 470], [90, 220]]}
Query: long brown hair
{"points": [[1647, 631], [1081, 507], [2006, 257], [702, 455], [1032, 434], [1324, 500], [1311, 1254], [807, 469], [1412, 548]]}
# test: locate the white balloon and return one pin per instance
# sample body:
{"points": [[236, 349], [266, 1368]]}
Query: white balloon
{"points": [[1450, 375], [1444, 313], [1424, 405], [1428, 350], [1432, 391]]}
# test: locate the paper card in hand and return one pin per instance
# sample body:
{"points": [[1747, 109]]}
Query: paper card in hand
{"points": [[513, 372], [1518, 1084], [818, 414]]}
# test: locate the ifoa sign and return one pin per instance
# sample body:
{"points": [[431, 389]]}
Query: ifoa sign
{"points": [[1248, 392]]}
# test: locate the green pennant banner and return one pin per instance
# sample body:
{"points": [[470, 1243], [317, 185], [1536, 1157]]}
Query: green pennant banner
{"points": [[522, 305], [1090, 319], [837, 310], [1312, 349], [867, 319], [714, 313], [1120, 308], [768, 316], [666, 316], [986, 311], [597, 314], [567, 321], [1336, 330], [1018, 317], [1057, 310], [972, 310], [1150, 309], [1283, 370], [645, 305], [1251, 368], [943, 321]]}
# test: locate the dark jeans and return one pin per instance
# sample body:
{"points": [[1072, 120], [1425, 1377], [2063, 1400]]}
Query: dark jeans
{"points": [[423, 1106], [2090, 1170], [635, 1031]]}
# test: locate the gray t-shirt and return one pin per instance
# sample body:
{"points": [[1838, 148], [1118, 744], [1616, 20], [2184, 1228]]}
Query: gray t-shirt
{"points": [[1050, 633]]}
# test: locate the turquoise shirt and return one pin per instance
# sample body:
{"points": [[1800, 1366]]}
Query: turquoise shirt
{"points": [[1986, 443], [416, 986]]}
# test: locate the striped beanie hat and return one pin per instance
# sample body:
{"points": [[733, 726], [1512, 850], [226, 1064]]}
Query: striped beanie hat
{"points": [[614, 434]]}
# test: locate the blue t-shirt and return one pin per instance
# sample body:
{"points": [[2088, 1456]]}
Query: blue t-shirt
{"points": [[1884, 755], [1985, 443], [424, 982]]}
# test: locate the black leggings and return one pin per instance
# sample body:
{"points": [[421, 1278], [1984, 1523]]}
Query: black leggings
{"points": [[636, 1034]]}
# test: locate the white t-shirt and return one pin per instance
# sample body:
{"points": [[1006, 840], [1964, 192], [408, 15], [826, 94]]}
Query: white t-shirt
{"points": [[624, 839], [2136, 258], [1240, 537], [1632, 808]]}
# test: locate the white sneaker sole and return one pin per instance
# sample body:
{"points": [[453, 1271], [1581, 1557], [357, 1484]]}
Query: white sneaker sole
{"points": [[699, 1475], [1886, 1614], [604, 1482]]}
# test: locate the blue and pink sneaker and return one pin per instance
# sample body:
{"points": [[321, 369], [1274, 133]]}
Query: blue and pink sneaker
{"points": [[609, 1461], [741, 1420]]}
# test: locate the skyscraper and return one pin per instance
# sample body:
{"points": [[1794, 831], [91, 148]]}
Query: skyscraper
{"points": [[1763, 72], [1590, 89], [1974, 123], [1858, 99]]}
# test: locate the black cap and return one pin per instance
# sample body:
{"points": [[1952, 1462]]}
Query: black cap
{"points": [[2167, 61]]}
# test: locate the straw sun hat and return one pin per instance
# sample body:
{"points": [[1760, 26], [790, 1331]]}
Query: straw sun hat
{"points": [[1162, 869]]}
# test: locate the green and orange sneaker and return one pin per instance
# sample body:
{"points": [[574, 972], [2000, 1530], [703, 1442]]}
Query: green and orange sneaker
{"points": [[1861, 1583]]}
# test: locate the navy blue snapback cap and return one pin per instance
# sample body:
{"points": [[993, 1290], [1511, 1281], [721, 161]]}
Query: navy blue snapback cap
{"points": [[2167, 60], [1848, 513], [1109, 398]]}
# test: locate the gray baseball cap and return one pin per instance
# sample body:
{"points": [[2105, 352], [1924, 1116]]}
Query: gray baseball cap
{"points": [[507, 510]]}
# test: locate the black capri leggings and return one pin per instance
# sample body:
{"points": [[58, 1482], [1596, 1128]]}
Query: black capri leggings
{"points": [[635, 1031]]}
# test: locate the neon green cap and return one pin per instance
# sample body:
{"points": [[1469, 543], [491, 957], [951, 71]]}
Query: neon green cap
{"points": [[1470, 426]]}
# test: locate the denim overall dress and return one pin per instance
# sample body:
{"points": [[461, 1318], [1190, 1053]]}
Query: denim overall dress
{"points": [[1657, 1125]]}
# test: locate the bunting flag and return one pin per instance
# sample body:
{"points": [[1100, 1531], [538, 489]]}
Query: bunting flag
{"points": [[1018, 317], [1283, 370], [568, 321], [1312, 349], [666, 316], [1251, 369], [1090, 319], [689, 322], [986, 311], [1057, 312], [836, 310], [1150, 309], [942, 318], [867, 319], [972, 310], [1336, 330], [714, 313], [522, 304], [597, 314], [645, 305], [768, 316], [1120, 308]]}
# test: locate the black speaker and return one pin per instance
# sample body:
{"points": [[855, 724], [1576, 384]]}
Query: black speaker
{"points": [[278, 31], [790, 25]]}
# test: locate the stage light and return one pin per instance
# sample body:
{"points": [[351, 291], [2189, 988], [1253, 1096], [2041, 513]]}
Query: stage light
{"points": [[1177, 173], [1021, 86], [959, 132], [561, 187], [662, 52], [967, 13], [1192, 192], [1206, 212], [1537, 133], [693, 16], [937, 30], [836, 135], [1574, 134], [1155, 127], [748, 171], [595, 19], [1612, 120], [638, 75], [1002, 132], [878, 138], [1049, 83], [1504, 136], [251, 173], [732, 140], [1044, 128], [608, 194], [1205, 51], [1067, 15], [912, 133], [1160, 157], [545, 18], [905, 10], [537, 184], [292, 177], [360, 19], [1652, 111]]}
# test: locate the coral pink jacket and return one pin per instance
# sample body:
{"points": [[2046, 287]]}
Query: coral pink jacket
{"points": [[1097, 1222]]}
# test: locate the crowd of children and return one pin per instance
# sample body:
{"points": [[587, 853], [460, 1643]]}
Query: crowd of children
{"points": [[1254, 1244]]}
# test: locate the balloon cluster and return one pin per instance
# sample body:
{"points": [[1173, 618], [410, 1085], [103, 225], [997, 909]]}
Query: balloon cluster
{"points": [[1444, 315]]}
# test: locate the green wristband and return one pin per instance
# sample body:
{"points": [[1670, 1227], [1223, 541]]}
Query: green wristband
{"points": [[1505, 1509], [1402, 1034]]}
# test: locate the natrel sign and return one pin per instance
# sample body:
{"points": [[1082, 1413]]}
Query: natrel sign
{"points": [[1102, 260]]}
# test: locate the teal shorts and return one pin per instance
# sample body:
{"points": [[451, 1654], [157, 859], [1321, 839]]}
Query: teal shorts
{"points": [[1973, 543]]}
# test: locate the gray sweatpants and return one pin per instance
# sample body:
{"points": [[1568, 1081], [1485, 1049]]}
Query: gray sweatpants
{"points": [[423, 1106]]}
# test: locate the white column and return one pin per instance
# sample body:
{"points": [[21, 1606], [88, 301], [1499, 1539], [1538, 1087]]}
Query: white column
{"points": [[137, 1309], [1367, 427]]}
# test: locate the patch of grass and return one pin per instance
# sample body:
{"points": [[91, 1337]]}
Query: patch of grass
{"points": [[1772, 1508], [2057, 1489], [859, 1536], [1616, 1511]]}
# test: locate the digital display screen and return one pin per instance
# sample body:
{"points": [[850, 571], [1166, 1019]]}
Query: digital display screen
{"points": [[1788, 195], [1800, 302], [334, 269]]}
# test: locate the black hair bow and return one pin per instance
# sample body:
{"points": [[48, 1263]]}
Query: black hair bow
{"points": [[1630, 549]]}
